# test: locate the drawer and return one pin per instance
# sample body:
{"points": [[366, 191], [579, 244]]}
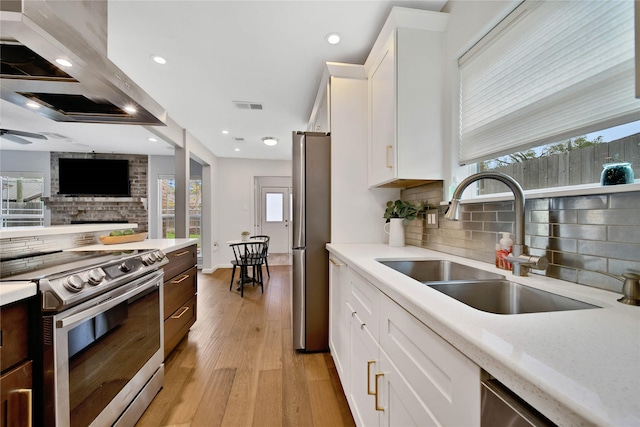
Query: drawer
{"points": [[14, 325], [179, 261], [179, 289], [177, 325], [15, 396], [364, 298]]}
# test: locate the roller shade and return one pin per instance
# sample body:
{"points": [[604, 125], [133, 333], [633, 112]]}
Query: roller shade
{"points": [[550, 71]]}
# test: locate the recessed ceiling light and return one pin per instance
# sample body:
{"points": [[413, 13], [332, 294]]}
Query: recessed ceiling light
{"points": [[33, 105], [270, 140], [130, 109], [333, 38], [159, 59], [64, 62], [236, 149], [225, 132], [152, 139]]}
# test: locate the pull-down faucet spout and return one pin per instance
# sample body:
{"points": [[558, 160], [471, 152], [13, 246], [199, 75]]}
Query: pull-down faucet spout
{"points": [[521, 261]]}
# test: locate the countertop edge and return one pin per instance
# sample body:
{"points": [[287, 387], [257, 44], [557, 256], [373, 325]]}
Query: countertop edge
{"points": [[11, 292], [559, 405], [165, 245]]}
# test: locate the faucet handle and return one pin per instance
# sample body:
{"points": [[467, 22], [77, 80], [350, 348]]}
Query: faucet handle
{"points": [[630, 287]]}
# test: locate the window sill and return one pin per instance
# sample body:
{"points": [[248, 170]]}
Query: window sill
{"points": [[576, 190]]}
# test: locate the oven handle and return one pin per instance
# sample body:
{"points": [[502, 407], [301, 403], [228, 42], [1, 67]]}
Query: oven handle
{"points": [[110, 303]]}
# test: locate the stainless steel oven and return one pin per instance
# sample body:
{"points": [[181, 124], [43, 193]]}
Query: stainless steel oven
{"points": [[102, 340]]}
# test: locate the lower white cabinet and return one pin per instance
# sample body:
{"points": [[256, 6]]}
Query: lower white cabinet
{"points": [[339, 317], [399, 372]]}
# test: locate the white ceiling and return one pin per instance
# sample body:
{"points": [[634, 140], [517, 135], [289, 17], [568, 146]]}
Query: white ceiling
{"points": [[267, 52]]}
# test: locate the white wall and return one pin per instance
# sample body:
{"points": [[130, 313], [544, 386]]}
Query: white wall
{"points": [[235, 199]]}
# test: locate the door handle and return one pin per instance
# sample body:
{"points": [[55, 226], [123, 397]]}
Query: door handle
{"points": [[378, 375], [369, 363]]}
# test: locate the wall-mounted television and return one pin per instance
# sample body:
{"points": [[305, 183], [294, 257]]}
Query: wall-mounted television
{"points": [[94, 177]]}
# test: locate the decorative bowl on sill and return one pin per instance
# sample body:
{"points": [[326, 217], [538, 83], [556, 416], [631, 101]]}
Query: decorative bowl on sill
{"points": [[616, 173]]}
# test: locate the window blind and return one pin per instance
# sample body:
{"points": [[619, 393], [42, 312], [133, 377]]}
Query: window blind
{"points": [[550, 71]]}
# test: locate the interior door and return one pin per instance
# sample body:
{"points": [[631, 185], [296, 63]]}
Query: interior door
{"points": [[275, 218]]}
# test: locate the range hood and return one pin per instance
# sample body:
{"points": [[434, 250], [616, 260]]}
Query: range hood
{"points": [[34, 33]]}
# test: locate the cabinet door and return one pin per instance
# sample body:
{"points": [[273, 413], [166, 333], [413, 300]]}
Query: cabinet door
{"points": [[364, 365], [382, 117], [444, 383], [339, 318]]}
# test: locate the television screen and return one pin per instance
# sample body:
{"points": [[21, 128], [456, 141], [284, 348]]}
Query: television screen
{"points": [[93, 177]]}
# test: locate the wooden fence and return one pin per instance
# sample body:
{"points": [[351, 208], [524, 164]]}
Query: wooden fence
{"points": [[580, 166]]}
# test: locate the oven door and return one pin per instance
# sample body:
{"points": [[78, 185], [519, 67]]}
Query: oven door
{"points": [[103, 352]]}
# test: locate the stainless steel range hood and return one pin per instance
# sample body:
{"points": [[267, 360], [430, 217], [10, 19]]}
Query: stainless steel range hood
{"points": [[35, 33]]}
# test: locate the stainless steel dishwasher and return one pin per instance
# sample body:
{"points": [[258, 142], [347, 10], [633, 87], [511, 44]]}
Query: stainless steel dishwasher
{"points": [[502, 408]]}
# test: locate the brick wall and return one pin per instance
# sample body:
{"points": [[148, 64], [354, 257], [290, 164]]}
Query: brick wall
{"points": [[66, 210], [580, 235]]}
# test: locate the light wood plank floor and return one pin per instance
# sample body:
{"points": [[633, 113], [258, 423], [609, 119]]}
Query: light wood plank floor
{"points": [[237, 366]]}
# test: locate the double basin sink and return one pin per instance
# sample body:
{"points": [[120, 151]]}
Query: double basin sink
{"points": [[484, 290]]}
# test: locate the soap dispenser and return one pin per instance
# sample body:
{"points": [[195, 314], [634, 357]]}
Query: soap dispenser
{"points": [[506, 246]]}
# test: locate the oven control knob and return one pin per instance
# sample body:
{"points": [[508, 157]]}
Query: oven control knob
{"points": [[96, 276], [74, 283], [159, 255], [124, 267], [149, 259]]}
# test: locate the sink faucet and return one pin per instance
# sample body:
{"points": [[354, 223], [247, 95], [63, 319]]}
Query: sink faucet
{"points": [[519, 258]]}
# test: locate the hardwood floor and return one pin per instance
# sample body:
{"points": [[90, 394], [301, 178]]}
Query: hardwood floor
{"points": [[237, 366]]}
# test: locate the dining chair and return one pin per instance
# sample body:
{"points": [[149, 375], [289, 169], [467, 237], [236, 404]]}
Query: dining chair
{"points": [[266, 254], [248, 254]]}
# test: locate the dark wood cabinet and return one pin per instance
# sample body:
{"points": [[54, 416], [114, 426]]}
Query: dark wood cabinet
{"points": [[180, 295], [16, 378]]}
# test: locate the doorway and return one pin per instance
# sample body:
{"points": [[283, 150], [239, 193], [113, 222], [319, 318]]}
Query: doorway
{"points": [[273, 212]]}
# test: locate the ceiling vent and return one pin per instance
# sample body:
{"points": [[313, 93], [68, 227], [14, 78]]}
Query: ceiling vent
{"points": [[239, 140], [242, 105]]}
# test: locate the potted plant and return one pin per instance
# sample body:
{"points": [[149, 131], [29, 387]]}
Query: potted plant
{"points": [[245, 235], [398, 214], [405, 210]]}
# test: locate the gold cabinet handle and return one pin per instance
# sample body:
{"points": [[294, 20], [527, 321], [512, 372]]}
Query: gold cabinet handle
{"points": [[378, 375], [369, 363], [19, 407], [182, 279], [177, 316], [386, 154], [334, 262], [181, 253]]}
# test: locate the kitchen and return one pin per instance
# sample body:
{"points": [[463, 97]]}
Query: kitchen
{"points": [[351, 157]]}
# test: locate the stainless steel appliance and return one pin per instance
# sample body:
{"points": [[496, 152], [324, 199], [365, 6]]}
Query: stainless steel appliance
{"points": [[311, 232], [102, 339], [500, 407]]}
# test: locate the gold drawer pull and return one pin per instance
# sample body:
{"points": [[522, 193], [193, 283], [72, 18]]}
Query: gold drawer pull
{"points": [[387, 148], [378, 375], [181, 253], [337, 264], [177, 316], [182, 279], [369, 363]]}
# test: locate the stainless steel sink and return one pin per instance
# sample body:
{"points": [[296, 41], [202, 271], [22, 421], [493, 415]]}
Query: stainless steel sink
{"points": [[440, 271], [505, 297]]}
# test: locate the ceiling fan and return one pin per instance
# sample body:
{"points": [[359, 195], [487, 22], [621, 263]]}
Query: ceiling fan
{"points": [[16, 136]]}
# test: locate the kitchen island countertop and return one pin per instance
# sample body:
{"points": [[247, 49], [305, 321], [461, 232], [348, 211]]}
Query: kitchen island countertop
{"points": [[577, 367]]}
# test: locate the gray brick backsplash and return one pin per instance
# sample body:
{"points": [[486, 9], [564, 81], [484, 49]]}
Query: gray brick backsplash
{"points": [[581, 235]]}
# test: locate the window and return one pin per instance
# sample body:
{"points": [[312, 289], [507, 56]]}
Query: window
{"points": [[167, 186], [274, 207], [551, 86], [22, 204]]}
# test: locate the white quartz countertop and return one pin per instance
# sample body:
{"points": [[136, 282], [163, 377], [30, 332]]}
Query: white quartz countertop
{"points": [[10, 233], [578, 367], [165, 245], [12, 291]]}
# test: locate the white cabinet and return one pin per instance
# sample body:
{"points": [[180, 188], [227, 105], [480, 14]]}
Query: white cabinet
{"points": [[339, 317], [405, 72], [399, 372]]}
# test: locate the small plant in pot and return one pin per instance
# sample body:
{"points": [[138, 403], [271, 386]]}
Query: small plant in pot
{"points": [[405, 210], [245, 235]]}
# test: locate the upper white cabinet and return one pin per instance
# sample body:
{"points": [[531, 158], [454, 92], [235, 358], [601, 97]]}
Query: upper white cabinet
{"points": [[405, 75]]}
